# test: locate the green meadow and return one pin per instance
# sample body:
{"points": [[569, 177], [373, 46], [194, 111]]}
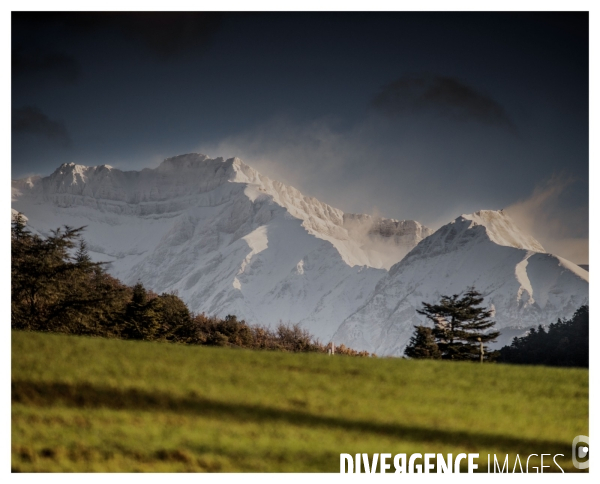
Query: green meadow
{"points": [[90, 404]]}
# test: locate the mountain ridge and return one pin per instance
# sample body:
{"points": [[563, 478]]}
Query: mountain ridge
{"points": [[524, 285], [113, 190], [230, 240], [226, 238]]}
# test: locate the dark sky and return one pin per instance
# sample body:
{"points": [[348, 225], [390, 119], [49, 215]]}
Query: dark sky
{"points": [[408, 115]]}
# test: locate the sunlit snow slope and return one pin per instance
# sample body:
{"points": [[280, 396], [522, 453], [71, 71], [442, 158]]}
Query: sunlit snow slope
{"points": [[227, 239]]}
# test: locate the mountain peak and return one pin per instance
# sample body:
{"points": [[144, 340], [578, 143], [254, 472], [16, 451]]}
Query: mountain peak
{"points": [[71, 167], [501, 229], [468, 230]]}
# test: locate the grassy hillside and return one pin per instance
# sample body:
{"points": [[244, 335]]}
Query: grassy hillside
{"points": [[85, 404]]}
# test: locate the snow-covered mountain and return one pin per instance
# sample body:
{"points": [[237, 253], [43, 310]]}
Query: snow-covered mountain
{"points": [[231, 241], [523, 284], [227, 239]]}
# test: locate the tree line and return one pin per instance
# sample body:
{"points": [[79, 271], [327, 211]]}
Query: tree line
{"points": [[461, 327], [56, 287], [564, 343]]}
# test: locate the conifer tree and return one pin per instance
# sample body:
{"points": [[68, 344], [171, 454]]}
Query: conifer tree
{"points": [[53, 289], [422, 345], [82, 256], [461, 325], [40, 271]]}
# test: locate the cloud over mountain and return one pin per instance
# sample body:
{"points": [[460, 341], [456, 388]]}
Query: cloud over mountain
{"points": [[441, 95]]}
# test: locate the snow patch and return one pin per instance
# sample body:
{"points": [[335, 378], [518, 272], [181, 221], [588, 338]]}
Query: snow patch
{"points": [[521, 274]]}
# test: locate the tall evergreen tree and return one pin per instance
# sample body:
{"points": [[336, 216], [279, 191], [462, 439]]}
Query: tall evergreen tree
{"points": [[461, 325], [53, 289], [40, 270]]}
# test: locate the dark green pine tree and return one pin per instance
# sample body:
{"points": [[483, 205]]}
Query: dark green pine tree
{"points": [[461, 325], [55, 286], [40, 271], [141, 320], [422, 345], [93, 301], [22, 291]]}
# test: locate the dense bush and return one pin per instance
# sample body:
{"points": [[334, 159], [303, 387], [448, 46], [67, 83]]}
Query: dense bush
{"points": [[56, 287]]}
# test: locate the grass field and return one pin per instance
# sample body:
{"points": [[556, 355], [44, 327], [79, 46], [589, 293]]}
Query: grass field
{"points": [[84, 404]]}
